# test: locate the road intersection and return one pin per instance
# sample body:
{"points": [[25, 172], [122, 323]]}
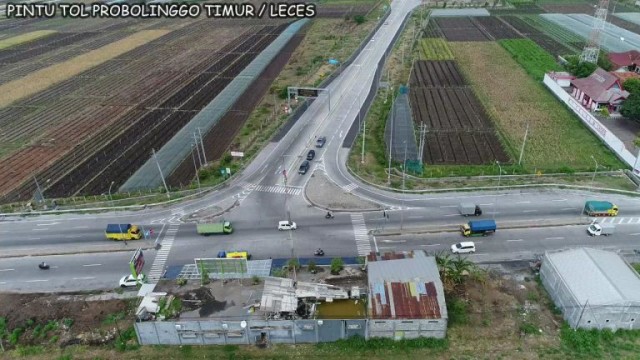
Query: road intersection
{"points": [[261, 195]]}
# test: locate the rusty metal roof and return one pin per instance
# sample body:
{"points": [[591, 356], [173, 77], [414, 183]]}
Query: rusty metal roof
{"points": [[406, 288]]}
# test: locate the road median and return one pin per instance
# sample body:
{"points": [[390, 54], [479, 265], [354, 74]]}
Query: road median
{"points": [[103, 248], [501, 225]]}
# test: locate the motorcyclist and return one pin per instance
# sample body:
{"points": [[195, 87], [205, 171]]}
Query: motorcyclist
{"points": [[43, 264], [329, 214], [319, 251]]}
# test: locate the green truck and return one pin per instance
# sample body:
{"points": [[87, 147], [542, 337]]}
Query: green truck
{"points": [[223, 227], [600, 208]]}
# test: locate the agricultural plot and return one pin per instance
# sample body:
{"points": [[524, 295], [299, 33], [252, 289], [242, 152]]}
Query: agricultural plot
{"points": [[582, 8], [544, 41], [340, 11], [434, 49], [535, 61], [625, 24], [520, 8], [433, 30], [581, 24], [495, 27], [106, 114], [560, 34], [460, 29], [459, 132], [557, 140]]}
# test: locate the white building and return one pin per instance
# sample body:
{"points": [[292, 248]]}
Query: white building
{"points": [[593, 288]]}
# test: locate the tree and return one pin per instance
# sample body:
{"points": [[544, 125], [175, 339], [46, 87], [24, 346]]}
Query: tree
{"points": [[336, 265], [603, 61], [577, 68], [631, 107], [632, 85]]}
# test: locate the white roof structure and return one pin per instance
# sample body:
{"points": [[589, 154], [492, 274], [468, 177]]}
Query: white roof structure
{"points": [[597, 276], [280, 295]]}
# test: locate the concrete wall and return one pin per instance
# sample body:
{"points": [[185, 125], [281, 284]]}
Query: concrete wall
{"points": [[220, 332], [601, 131]]}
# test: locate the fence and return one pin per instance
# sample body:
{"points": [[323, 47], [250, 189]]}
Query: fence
{"points": [[601, 131], [222, 332]]}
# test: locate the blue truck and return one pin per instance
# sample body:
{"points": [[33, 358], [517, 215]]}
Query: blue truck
{"points": [[478, 228]]}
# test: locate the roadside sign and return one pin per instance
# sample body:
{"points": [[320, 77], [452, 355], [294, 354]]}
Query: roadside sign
{"points": [[237, 154], [136, 264], [228, 171]]}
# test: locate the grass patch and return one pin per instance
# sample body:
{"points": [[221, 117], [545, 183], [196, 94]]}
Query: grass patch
{"points": [[458, 312], [23, 38], [600, 344], [636, 266], [557, 139], [41, 79], [434, 49], [113, 318], [534, 59], [357, 345]]}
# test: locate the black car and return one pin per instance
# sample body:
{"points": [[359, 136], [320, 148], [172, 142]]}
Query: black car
{"points": [[311, 154], [304, 167], [320, 142]]}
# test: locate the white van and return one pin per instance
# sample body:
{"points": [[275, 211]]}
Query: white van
{"points": [[465, 247], [287, 225]]}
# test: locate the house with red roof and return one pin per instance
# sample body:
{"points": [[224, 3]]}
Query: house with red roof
{"points": [[625, 61], [599, 90]]}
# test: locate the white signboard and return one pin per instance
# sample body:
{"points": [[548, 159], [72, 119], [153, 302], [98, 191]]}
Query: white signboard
{"points": [[237, 154]]}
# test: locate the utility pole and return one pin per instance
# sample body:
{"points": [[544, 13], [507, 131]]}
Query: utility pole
{"points": [[195, 167], [39, 189], [404, 166], [423, 134], [593, 178], [195, 142], [364, 136], [204, 156], [393, 104], [153, 151], [526, 132], [495, 199]]}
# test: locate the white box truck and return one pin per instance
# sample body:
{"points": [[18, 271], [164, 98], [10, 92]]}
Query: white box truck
{"points": [[469, 209], [596, 229]]}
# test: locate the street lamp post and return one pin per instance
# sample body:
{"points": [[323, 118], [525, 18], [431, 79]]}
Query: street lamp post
{"points": [[111, 197], [393, 104], [593, 178], [495, 200]]}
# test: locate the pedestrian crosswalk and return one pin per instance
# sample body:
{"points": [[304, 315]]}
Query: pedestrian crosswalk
{"points": [[618, 220], [157, 269], [350, 187], [279, 189], [363, 244]]}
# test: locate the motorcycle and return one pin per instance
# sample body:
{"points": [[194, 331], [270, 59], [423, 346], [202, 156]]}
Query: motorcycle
{"points": [[43, 266], [319, 252], [329, 216]]}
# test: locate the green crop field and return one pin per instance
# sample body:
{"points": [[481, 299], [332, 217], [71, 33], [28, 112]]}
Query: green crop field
{"points": [[434, 49], [557, 140], [535, 61], [554, 30]]}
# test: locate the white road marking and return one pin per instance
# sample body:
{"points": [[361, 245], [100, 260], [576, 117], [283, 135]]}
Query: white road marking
{"points": [[524, 202], [515, 240], [88, 265], [7, 270], [431, 245], [570, 208], [47, 224], [34, 238], [39, 229], [80, 227], [481, 254], [635, 234], [448, 206], [451, 215], [558, 200], [489, 204], [3, 232], [73, 236], [529, 211], [386, 247], [394, 241], [84, 278], [555, 238], [2, 283], [31, 281]]}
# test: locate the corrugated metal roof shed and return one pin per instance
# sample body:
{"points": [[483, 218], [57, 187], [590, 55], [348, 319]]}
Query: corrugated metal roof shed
{"points": [[597, 276], [406, 289]]}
